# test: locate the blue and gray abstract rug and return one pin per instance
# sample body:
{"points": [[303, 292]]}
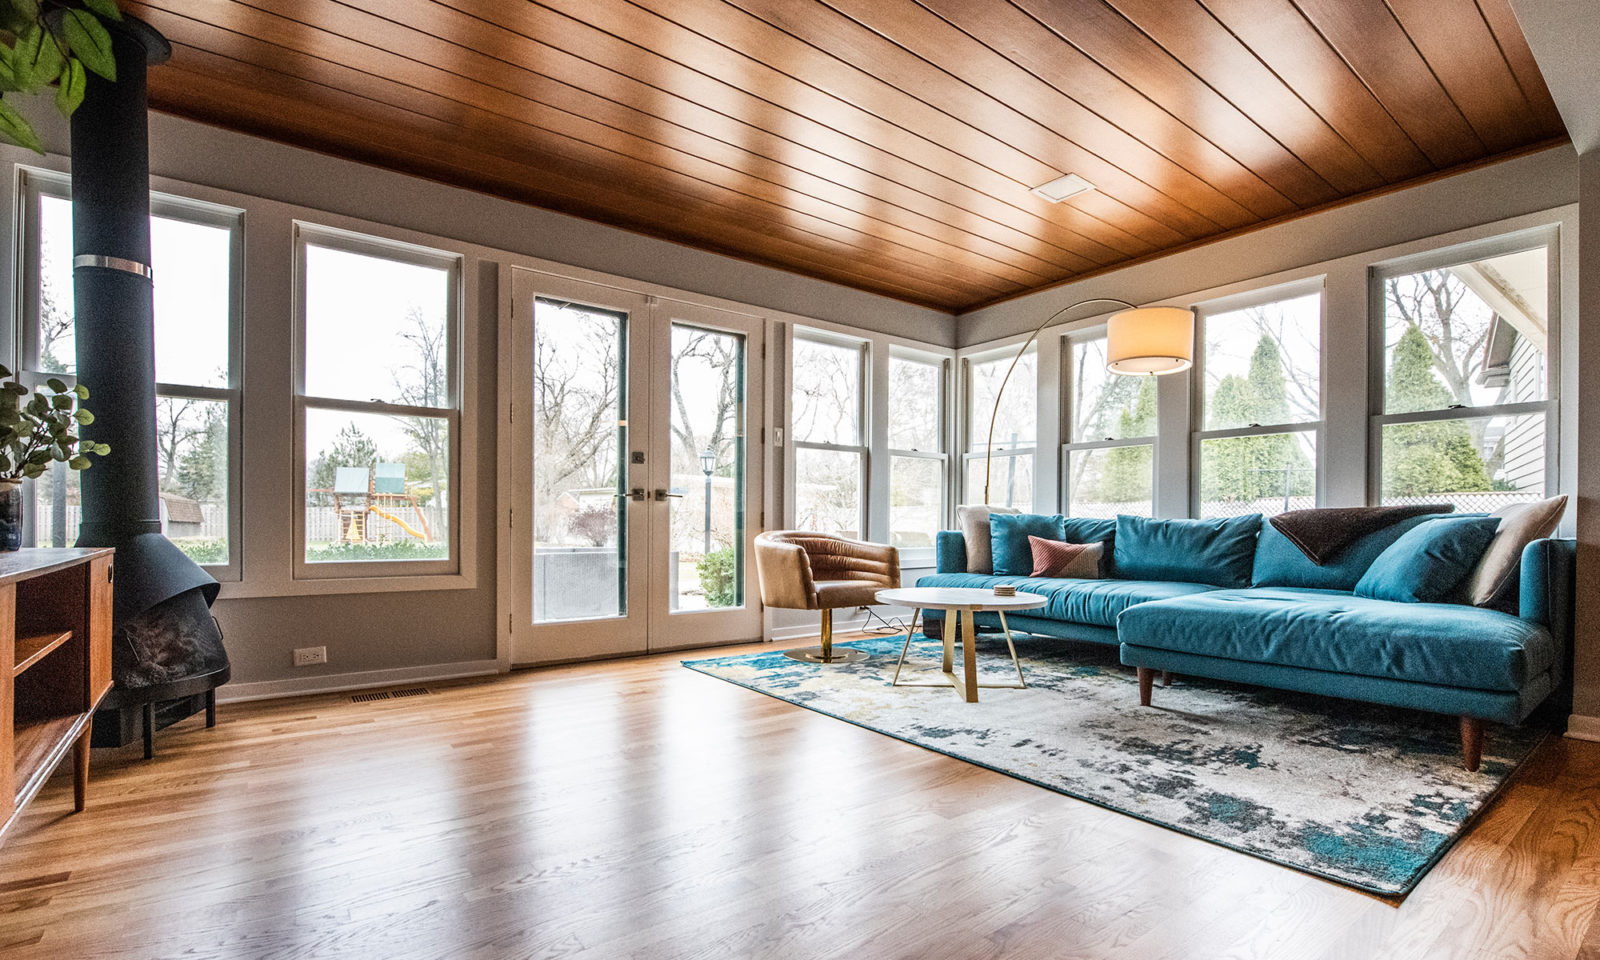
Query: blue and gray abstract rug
{"points": [[1362, 795]]}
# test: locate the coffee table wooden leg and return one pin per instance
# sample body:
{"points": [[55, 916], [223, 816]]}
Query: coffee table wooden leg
{"points": [[911, 631], [969, 655], [952, 626]]}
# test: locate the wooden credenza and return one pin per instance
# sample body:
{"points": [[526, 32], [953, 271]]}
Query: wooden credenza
{"points": [[55, 666]]}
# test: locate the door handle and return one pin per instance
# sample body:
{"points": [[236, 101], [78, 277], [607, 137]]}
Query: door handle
{"points": [[662, 495], [636, 495]]}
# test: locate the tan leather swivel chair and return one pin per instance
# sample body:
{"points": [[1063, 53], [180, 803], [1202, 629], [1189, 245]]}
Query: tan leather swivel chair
{"points": [[818, 571]]}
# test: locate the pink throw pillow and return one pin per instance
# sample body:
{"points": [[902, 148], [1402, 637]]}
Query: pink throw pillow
{"points": [[1053, 558]]}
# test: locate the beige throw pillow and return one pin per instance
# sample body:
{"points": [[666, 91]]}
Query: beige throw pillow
{"points": [[1520, 525], [974, 523]]}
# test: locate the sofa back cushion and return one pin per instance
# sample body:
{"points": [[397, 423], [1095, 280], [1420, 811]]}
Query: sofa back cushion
{"points": [[1429, 563], [1494, 582], [1218, 552], [1009, 533], [974, 523], [1279, 563]]}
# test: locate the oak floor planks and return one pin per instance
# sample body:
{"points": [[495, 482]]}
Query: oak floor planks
{"points": [[636, 809]]}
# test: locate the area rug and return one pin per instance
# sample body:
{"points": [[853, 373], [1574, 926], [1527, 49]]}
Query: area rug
{"points": [[1366, 796]]}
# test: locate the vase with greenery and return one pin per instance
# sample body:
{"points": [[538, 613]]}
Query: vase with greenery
{"points": [[51, 43], [38, 428]]}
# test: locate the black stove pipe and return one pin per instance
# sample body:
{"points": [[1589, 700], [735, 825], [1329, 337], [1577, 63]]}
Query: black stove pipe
{"points": [[166, 646], [114, 309]]}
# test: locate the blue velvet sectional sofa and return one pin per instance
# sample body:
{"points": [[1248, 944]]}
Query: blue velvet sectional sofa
{"points": [[1249, 607]]}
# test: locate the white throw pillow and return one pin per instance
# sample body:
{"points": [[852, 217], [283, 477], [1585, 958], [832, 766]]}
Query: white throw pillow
{"points": [[974, 523], [1520, 525]]}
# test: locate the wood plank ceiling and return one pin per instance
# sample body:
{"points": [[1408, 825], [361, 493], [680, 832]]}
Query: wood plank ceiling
{"points": [[884, 144]]}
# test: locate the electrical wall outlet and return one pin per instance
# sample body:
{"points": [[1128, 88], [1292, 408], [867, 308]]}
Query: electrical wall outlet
{"points": [[310, 656]]}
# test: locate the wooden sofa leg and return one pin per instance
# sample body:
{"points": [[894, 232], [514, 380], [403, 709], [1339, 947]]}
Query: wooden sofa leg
{"points": [[933, 629], [1166, 678], [1471, 742], [1147, 680]]}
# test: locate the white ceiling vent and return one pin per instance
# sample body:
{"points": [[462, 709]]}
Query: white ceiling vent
{"points": [[1063, 188]]}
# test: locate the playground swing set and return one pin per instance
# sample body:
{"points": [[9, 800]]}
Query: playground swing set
{"points": [[379, 491]]}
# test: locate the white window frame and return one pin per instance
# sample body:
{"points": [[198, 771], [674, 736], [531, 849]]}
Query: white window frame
{"points": [[1069, 344], [313, 234], [35, 184], [975, 446], [1545, 237], [913, 556], [1198, 433], [864, 407]]}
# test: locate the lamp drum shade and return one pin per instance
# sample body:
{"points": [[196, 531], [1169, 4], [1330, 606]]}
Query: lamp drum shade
{"points": [[1150, 340]]}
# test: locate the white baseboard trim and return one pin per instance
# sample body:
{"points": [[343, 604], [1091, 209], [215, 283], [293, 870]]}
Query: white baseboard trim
{"points": [[361, 680], [1580, 727]]}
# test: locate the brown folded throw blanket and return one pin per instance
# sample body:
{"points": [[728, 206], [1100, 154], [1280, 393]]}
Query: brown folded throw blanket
{"points": [[1321, 534]]}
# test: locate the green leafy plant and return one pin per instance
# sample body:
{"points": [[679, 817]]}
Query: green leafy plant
{"points": [[38, 428], [51, 43], [719, 577]]}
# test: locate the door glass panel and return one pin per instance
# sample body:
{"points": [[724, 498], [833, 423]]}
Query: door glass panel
{"points": [[706, 529], [580, 426]]}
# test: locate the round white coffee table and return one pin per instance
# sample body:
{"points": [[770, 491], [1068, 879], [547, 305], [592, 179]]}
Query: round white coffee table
{"points": [[959, 604]]}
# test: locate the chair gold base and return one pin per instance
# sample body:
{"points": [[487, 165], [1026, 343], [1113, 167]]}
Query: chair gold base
{"points": [[836, 655], [827, 652]]}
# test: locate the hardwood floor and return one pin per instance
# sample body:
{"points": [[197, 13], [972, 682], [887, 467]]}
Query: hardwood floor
{"points": [[637, 809]]}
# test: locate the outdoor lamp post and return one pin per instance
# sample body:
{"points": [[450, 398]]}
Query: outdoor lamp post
{"points": [[708, 463]]}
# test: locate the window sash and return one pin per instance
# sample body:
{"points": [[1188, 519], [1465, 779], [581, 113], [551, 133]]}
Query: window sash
{"points": [[863, 404], [36, 184], [1065, 466], [977, 427], [1542, 237], [862, 453]]}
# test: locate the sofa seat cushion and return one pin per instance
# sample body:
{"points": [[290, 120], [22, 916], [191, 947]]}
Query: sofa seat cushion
{"points": [[1091, 602], [1438, 643]]}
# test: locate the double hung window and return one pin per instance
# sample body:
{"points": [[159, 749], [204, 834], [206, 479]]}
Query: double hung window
{"points": [[828, 418], [377, 402], [1259, 387], [1464, 399]]}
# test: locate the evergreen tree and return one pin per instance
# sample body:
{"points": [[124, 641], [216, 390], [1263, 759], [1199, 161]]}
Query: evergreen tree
{"points": [[1426, 459], [351, 448], [1254, 468], [1269, 390]]}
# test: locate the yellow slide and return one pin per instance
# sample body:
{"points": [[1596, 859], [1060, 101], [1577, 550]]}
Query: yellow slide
{"points": [[398, 522]]}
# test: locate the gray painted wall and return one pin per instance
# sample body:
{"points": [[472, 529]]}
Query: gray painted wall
{"points": [[1527, 184]]}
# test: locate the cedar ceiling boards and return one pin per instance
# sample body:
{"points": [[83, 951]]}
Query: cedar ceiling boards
{"points": [[887, 145]]}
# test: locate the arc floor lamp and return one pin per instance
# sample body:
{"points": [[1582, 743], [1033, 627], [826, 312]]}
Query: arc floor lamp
{"points": [[1140, 341]]}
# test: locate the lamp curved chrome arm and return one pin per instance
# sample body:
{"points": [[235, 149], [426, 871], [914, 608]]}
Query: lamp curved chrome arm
{"points": [[1172, 365]]}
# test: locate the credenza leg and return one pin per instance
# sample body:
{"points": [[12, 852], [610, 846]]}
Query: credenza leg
{"points": [[211, 707], [80, 770], [149, 730]]}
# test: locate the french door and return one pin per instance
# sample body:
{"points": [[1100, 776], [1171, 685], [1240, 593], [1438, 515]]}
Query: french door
{"points": [[636, 484]]}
